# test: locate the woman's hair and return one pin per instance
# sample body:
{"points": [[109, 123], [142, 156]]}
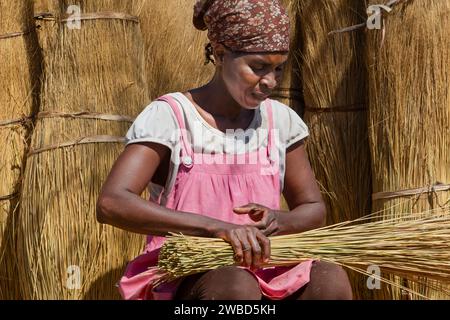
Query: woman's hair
{"points": [[209, 54]]}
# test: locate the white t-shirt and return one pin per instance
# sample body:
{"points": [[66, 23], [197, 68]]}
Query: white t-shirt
{"points": [[157, 123]]}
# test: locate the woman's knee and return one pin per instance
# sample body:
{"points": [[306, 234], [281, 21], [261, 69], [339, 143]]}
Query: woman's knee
{"points": [[229, 283], [329, 282]]}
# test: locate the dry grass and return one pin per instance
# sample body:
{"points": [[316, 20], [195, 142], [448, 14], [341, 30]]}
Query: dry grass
{"points": [[100, 69], [174, 48], [289, 91], [19, 75], [333, 75], [413, 245], [409, 118]]}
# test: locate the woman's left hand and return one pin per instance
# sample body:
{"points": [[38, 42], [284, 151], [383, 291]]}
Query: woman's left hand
{"points": [[266, 219]]}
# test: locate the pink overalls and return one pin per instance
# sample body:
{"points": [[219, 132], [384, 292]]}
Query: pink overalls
{"points": [[211, 185]]}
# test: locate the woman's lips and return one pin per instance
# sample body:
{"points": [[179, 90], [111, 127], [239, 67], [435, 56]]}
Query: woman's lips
{"points": [[260, 96]]}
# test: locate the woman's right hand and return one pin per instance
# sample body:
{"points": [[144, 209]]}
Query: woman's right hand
{"points": [[251, 247]]}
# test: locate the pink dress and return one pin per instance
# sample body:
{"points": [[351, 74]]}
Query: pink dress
{"points": [[213, 187]]}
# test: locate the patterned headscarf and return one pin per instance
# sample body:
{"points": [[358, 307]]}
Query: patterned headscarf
{"points": [[244, 25]]}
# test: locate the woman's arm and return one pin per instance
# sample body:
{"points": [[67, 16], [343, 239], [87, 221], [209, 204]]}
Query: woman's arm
{"points": [[302, 194], [120, 205]]}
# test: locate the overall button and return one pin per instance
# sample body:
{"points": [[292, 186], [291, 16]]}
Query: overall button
{"points": [[187, 160]]}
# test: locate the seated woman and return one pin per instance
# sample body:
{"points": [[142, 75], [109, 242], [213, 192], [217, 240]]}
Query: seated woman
{"points": [[218, 183]]}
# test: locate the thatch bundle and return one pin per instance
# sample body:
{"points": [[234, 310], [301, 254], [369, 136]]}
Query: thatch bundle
{"points": [[333, 77], [174, 48], [94, 85], [412, 245], [409, 118], [19, 85]]}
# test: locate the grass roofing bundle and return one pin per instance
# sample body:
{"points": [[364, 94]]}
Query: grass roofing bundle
{"points": [[412, 245], [409, 118], [334, 88], [174, 49], [93, 86], [19, 86]]}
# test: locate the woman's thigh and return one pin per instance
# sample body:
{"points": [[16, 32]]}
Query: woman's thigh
{"points": [[226, 283]]}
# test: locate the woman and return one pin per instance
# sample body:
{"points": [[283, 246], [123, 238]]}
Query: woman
{"points": [[214, 190]]}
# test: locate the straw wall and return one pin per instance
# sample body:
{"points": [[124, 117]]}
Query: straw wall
{"points": [[409, 119], [174, 49], [289, 90], [94, 85], [333, 77], [19, 85]]}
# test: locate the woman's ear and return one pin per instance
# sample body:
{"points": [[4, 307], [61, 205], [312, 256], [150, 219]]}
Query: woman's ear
{"points": [[219, 53]]}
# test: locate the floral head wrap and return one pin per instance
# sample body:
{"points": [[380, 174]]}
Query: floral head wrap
{"points": [[244, 25]]}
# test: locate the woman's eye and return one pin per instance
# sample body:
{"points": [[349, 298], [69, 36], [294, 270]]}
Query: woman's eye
{"points": [[257, 68]]}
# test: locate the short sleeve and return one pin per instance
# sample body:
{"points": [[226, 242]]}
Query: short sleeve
{"points": [[156, 123], [291, 127]]}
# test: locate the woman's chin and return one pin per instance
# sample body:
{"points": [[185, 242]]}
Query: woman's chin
{"points": [[252, 103]]}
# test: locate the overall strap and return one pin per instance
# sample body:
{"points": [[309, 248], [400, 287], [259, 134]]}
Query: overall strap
{"points": [[271, 152], [186, 150]]}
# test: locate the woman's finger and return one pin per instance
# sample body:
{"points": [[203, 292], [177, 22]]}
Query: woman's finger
{"points": [[272, 228], [265, 245], [256, 213], [264, 223], [256, 248], [246, 247], [245, 210], [237, 247]]}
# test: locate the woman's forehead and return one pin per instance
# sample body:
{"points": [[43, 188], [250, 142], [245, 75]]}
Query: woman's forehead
{"points": [[266, 57]]}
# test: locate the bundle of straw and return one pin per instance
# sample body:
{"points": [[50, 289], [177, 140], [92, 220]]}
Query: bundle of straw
{"points": [[412, 245], [93, 87], [174, 49], [409, 118], [334, 88], [19, 86]]}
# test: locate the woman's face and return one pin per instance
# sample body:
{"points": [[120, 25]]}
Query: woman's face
{"points": [[251, 78]]}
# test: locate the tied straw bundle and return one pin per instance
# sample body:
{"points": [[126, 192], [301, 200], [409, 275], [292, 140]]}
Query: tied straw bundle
{"points": [[334, 81], [20, 61], [93, 86], [409, 111], [413, 245]]}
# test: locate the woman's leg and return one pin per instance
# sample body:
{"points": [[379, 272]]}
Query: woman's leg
{"points": [[327, 282], [227, 283]]}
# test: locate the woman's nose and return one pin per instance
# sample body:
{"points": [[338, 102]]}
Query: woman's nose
{"points": [[269, 81]]}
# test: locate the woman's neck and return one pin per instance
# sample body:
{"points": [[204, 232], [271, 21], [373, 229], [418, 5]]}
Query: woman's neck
{"points": [[215, 99]]}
